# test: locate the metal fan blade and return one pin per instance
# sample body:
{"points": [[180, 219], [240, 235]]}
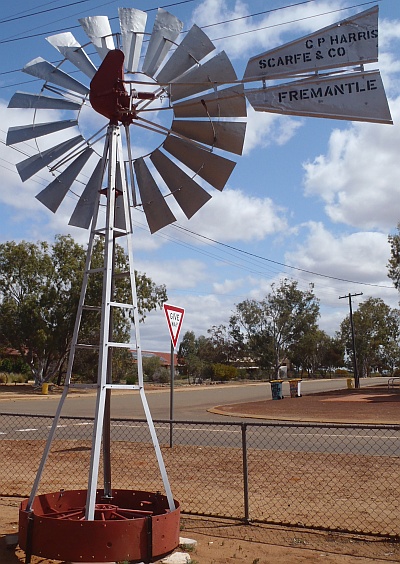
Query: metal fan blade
{"points": [[69, 48], [226, 135], [98, 29], [133, 24], [213, 168], [165, 30], [157, 212], [55, 192], [189, 195], [219, 69], [26, 132], [229, 102], [84, 209], [119, 221], [32, 165], [39, 102], [44, 70], [194, 47]]}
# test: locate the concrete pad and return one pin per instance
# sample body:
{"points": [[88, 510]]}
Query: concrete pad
{"points": [[177, 558], [187, 543]]}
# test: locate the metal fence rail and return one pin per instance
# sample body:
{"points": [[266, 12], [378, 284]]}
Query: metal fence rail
{"points": [[326, 476]]}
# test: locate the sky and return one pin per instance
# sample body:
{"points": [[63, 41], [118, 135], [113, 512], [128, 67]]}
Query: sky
{"points": [[310, 199]]}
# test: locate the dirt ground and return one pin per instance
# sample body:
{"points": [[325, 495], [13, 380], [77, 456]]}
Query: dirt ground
{"points": [[225, 542], [220, 541]]}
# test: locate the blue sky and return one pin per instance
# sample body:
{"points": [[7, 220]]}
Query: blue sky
{"points": [[317, 195]]}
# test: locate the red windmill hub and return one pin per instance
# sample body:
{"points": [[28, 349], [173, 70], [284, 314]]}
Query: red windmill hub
{"points": [[108, 95]]}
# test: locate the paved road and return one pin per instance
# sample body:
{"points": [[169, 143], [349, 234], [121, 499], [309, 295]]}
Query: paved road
{"points": [[190, 404]]}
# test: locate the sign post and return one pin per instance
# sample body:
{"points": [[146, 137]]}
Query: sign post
{"points": [[174, 317]]}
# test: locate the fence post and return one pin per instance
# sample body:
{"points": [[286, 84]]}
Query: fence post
{"points": [[245, 474]]}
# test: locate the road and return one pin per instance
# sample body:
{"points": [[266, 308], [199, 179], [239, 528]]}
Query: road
{"points": [[190, 403]]}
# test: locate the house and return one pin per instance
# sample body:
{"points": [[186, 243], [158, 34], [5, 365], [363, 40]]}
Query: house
{"points": [[164, 357]]}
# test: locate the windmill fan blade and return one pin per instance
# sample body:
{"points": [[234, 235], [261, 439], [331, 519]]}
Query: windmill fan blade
{"points": [[119, 203], [69, 48], [98, 29], [26, 132], [219, 69], [194, 47], [55, 192], [229, 102], [44, 70], [165, 30], [39, 102], [32, 165], [84, 209], [226, 135], [157, 212], [189, 195], [213, 168], [132, 23]]}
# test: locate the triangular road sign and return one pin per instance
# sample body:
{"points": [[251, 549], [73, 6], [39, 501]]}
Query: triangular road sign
{"points": [[174, 317]]}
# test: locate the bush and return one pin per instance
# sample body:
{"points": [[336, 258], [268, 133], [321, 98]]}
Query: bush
{"points": [[12, 377], [342, 372], [16, 365], [224, 372], [131, 380], [161, 375]]}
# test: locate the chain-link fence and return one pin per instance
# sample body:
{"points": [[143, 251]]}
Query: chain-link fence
{"points": [[328, 476]]}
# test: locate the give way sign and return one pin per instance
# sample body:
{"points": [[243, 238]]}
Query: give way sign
{"points": [[174, 317]]}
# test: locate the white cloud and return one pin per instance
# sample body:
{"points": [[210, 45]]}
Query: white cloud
{"points": [[227, 286], [265, 129], [355, 263], [234, 216], [175, 273], [360, 256], [273, 25], [358, 176]]}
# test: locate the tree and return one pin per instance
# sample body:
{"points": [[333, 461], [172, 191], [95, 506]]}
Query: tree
{"points": [[222, 347], [192, 364], [394, 261], [273, 325], [39, 292], [376, 335], [315, 350]]}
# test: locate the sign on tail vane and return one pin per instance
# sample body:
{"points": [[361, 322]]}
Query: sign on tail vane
{"points": [[357, 95]]}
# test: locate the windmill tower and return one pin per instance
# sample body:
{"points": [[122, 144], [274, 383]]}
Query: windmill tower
{"points": [[209, 106]]}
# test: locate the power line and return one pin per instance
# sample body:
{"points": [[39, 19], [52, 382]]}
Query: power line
{"points": [[13, 38], [281, 263], [22, 15]]}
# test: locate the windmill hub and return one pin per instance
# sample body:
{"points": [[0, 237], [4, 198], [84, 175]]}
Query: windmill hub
{"points": [[108, 95]]}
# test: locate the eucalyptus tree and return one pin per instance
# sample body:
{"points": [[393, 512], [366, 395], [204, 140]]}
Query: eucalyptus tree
{"points": [[377, 335], [40, 285], [271, 326]]}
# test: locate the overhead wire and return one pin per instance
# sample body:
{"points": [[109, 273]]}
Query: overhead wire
{"points": [[22, 15], [281, 263]]}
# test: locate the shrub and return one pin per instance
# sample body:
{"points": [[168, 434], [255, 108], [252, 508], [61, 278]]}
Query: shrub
{"points": [[224, 372]]}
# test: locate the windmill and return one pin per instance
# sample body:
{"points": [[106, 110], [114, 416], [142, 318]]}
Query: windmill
{"points": [[208, 103]]}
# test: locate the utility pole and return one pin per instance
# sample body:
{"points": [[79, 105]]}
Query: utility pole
{"points": [[356, 377]]}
